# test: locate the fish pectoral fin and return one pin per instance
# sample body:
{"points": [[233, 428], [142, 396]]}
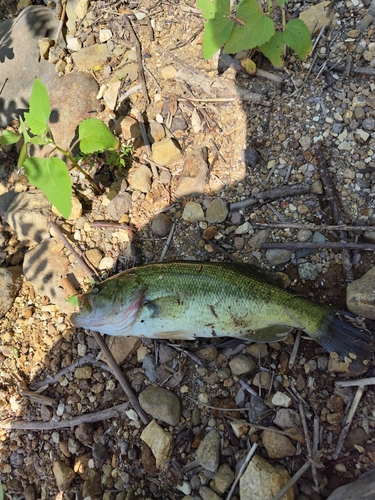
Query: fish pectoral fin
{"points": [[168, 306], [270, 333], [179, 335]]}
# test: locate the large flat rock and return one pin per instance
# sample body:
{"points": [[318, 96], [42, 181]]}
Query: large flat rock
{"points": [[19, 58]]}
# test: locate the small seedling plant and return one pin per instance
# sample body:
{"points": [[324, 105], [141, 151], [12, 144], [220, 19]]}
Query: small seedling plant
{"points": [[247, 27], [51, 174]]}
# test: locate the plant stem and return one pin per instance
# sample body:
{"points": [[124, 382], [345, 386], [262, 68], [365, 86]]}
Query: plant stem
{"points": [[80, 169], [69, 155]]}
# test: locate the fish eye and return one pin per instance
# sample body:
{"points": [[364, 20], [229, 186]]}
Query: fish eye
{"points": [[95, 290]]}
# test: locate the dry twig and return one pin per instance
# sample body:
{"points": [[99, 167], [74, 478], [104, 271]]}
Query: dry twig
{"points": [[90, 272], [312, 227], [348, 421], [98, 416], [242, 469], [88, 358], [120, 377], [167, 243], [292, 481], [293, 355], [139, 58], [308, 443], [336, 213], [356, 383], [272, 194], [334, 245]]}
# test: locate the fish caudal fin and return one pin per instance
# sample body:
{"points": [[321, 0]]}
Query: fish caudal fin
{"points": [[352, 343]]}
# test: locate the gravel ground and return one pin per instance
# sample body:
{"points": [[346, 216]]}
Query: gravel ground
{"points": [[252, 147]]}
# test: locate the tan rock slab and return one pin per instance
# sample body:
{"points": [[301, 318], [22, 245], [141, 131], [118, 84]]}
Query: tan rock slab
{"points": [[160, 442], [278, 445], [316, 17], [64, 475], [166, 151], [262, 481], [360, 295], [91, 58]]}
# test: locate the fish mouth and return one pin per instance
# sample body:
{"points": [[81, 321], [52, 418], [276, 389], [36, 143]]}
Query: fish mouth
{"points": [[86, 307]]}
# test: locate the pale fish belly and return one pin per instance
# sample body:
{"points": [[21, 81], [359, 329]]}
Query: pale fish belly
{"points": [[162, 319]]}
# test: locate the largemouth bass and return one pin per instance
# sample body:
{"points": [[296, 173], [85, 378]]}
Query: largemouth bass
{"points": [[186, 300]]}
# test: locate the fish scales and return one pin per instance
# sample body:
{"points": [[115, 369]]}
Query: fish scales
{"points": [[204, 300], [185, 300]]}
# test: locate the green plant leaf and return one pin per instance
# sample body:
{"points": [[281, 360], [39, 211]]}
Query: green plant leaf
{"points": [[40, 140], [297, 37], [216, 33], [280, 3], [95, 136], [24, 155], [257, 30], [8, 137], [273, 49], [37, 118], [52, 177], [209, 8], [73, 300], [218, 27]]}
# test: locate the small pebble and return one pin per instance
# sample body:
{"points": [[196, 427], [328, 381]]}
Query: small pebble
{"points": [[161, 225], [276, 256], [307, 271], [193, 212], [217, 211], [368, 124], [310, 366], [263, 380], [241, 364]]}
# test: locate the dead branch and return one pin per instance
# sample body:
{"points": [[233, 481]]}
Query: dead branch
{"points": [[356, 383], [90, 272], [242, 469], [308, 442], [272, 194], [120, 377], [336, 213], [348, 421], [88, 358], [312, 227], [98, 416], [292, 481], [334, 245], [139, 57]]}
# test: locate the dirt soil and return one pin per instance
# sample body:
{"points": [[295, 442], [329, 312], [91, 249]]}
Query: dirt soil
{"points": [[255, 143]]}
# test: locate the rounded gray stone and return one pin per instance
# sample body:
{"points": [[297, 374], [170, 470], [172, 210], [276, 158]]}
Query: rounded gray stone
{"points": [[208, 451], [193, 212], [217, 211], [140, 179], [276, 257], [161, 404], [120, 205], [368, 124], [241, 364], [161, 225], [307, 271]]}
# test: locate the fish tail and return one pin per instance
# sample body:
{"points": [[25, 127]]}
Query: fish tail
{"points": [[351, 342]]}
